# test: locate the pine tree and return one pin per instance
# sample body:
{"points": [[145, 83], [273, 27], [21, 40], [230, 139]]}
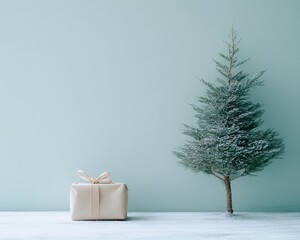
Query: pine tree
{"points": [[228, 141]]}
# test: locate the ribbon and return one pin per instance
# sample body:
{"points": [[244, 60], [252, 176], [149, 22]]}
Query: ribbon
{"points": [[102, 179], [95, 202], [95, 191]]}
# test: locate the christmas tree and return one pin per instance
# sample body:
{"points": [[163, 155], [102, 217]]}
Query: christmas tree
{"points": [[228, 141]]}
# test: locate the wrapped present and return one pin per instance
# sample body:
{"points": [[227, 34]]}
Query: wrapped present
{"points": [[99, 199]]}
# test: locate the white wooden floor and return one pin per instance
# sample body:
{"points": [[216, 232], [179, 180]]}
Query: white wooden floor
{"points": [[145, 225]]}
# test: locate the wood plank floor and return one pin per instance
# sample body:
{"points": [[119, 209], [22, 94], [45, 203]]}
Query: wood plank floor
{"points": [[145, 225]]}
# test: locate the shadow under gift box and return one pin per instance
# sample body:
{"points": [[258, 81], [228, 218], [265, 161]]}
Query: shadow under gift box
{"points": [[98, 201]]}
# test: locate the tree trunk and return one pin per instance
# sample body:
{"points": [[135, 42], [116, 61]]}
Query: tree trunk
{"points": [[228, 194]]}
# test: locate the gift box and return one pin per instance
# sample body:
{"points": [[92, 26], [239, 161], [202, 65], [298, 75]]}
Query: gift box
{"points": [[99, 199]]}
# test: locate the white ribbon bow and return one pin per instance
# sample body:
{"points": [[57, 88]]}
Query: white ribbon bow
{"points": [[102, 179]]}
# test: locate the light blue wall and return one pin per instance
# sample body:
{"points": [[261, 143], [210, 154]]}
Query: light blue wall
{"points": [[105, 85]]}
